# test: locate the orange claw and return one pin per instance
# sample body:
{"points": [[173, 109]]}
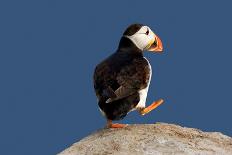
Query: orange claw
{"points": [[151, 107], [115, 125]]}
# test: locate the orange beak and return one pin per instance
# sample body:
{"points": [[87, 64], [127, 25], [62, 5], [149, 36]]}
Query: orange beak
{"points": [[157, 45]]}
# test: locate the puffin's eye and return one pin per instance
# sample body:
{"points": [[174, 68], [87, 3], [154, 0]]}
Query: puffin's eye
{"points": [[147, 32]]}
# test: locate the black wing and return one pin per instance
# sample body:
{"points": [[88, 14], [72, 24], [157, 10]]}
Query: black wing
{"points": [[117, 78]]}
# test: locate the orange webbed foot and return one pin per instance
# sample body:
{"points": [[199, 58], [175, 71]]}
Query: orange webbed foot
{"points": [[115, 125], [151, 107]]}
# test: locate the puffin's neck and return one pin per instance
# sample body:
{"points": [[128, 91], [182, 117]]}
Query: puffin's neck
{"points": [[126, 45]]}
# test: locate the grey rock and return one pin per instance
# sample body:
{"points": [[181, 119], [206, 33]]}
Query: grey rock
{"points": [[152, 139]]}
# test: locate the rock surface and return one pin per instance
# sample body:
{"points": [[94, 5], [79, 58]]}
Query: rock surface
{"points": [[152, 139]]}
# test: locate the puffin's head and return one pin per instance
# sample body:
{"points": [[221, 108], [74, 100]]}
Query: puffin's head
{"points": [[144, 38]]}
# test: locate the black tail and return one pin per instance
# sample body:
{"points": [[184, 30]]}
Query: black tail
{"points": [[118, 109]]}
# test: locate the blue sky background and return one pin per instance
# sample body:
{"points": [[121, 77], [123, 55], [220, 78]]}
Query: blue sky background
{"points": [[48, 51]]}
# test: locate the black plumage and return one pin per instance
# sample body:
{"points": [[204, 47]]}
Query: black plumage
{"points": [[120, 77]]}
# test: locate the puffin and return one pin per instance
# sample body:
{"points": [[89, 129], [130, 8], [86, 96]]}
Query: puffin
{"points": [[121, 81]]}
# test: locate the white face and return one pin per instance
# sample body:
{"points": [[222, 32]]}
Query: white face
{"points": [[143, 38]]}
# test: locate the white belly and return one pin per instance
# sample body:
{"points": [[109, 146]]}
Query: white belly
{"points": [[143, 97], [143, 92]]}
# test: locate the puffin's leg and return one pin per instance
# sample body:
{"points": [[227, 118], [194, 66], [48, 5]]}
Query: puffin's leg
{"points": [[115, 125], [151, 107]]}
